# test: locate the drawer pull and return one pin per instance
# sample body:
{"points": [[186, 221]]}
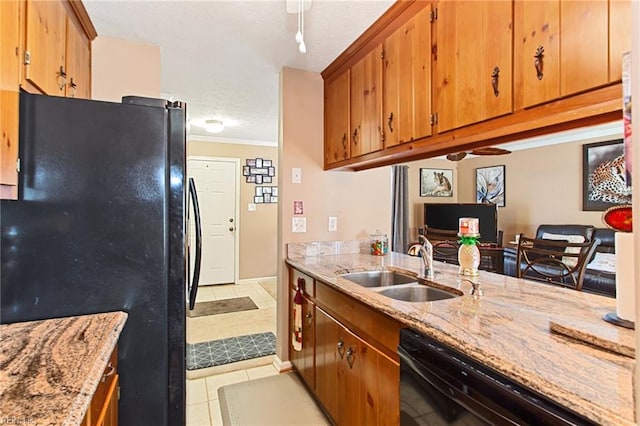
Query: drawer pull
{"points": [[111, 370], [341, 348]]}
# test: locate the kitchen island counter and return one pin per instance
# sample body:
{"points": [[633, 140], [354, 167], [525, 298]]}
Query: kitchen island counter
{"points": [[507, 328], [50, 369]]}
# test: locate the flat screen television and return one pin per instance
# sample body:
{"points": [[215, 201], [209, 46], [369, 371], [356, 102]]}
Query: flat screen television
{"points": [[445, 216]]}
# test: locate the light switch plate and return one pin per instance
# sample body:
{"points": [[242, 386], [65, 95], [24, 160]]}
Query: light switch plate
{"points": [[296, 175], [252, 207], [298, 224], [333, 224]]}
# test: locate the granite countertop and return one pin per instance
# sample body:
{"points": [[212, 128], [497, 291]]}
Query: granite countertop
{"points": [[50, 369], [507, 328]]}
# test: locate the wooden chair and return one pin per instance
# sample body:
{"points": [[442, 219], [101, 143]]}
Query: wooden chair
{"points": [[445, 244], [556, 262]]}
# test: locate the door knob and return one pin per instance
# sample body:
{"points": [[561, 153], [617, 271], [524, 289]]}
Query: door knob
{"points": [[231, 228], [231, 220]]}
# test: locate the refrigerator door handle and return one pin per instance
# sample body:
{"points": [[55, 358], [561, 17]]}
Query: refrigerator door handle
{"points": [[193, 291]]}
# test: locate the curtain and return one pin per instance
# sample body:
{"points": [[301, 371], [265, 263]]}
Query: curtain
{"points": [[400, 209]]}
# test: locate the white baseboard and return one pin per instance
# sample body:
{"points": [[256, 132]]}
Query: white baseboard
{"points": [[280, 365], [251, 280]]}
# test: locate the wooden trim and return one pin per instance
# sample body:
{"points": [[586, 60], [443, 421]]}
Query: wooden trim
{"points": [[397, 15], [83, 18], [8, 192], [594, 107]]}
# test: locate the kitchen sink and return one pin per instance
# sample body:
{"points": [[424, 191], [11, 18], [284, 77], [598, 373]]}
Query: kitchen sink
{"points": [[379, 278], [418, 293]]}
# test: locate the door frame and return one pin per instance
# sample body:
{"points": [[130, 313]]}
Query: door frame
{"points": [[236, 219]]}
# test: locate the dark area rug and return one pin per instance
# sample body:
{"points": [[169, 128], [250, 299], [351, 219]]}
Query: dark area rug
{"points": [[233, 349], [223, 306]]}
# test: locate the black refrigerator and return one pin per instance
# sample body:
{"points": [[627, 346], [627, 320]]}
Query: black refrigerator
{"points": [[100, 226]]}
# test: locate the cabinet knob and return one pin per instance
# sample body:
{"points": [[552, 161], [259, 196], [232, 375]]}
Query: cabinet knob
{"points": [[341, 348], [495, 75], [538, 62], [309, 318], [74, 87], [62, 78], [390, 122], [351, 356], [344, 140], [355, 136]]}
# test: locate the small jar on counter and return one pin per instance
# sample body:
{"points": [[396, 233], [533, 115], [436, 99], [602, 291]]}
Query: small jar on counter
{"points": [[379, 244]]}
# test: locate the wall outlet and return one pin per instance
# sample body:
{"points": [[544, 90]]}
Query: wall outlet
{"points": [[333, 224], [298, 224], [296, 175]]}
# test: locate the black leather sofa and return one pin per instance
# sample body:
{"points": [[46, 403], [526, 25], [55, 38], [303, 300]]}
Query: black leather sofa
{"points": [[598, 282]]}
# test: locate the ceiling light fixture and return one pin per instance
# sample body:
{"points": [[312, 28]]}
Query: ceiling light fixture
{"points": [[213, 126], [299, 7]]}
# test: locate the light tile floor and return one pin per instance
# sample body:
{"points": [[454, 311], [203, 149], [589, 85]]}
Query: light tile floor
{"points": [[203, 408]]}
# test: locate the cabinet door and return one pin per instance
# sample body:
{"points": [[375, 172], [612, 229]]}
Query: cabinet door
{"points": [[379, 379], [78, 59], [619, 36], [473, 62], [336, 119], [304, 360], [45, 44], [366, 104], [329, 346], [109, 412], [536, 52], [407, 81], [9, 97], [583, 45]]}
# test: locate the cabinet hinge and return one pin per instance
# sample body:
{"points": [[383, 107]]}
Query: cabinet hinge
{"points": [[18, 165], [433, 120], [382, 54], [381, 137], [27, 57], [434, 14]]}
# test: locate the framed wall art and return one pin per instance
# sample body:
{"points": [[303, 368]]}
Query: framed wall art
{"points": [[604, 176], [266, 195], [258, 171], [490, 185], [436, 183]]}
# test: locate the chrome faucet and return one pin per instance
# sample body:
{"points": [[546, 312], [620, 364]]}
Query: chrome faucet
{"points": [[425, 250]]}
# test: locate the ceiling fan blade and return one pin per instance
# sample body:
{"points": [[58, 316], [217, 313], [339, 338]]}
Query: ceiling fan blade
{"points": [[490, 150], [456, 156]]}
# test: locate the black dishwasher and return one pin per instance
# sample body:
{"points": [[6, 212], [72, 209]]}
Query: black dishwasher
{"points": [[441, 386]]}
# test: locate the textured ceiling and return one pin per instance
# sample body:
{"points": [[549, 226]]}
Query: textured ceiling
{"points": [[224, 57]]}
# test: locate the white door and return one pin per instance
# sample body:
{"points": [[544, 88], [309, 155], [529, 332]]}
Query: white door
{"points": [[216, 188]]}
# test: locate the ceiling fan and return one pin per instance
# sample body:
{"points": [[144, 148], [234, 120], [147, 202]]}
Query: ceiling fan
{"points": [[490, 150]]}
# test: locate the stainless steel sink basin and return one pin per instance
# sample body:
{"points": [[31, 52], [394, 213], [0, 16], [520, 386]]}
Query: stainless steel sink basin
{"points": [[417, 293], [379, 278]]}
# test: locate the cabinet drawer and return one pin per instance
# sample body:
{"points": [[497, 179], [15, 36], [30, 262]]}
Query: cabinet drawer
{"points": [[368, 323], [307, 284]]}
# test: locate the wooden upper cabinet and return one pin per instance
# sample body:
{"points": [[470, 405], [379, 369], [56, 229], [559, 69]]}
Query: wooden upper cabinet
{"points": [[10, 54], [584, 46], [536, 52], [78, 60], [366, 104], [619, 36], [45, 46], [407, 81], [473, 66], [336, 107]]}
